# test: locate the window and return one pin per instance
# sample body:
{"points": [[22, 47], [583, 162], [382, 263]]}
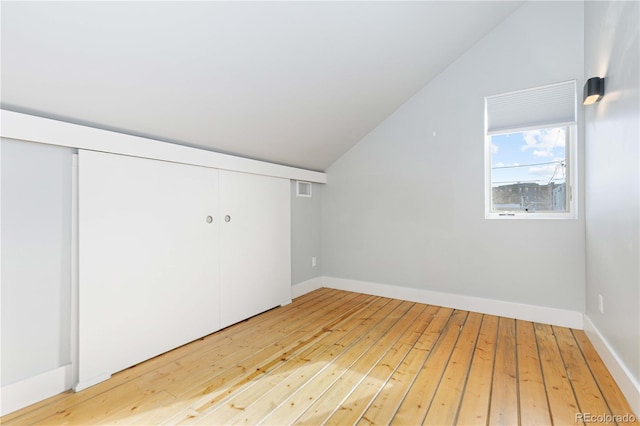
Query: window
{"points": [[530, 148]]}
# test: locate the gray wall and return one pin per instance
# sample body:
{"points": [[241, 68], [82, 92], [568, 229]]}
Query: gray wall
{"points": [[306, 234], [405, 206], [612, 183], [36, 258]]}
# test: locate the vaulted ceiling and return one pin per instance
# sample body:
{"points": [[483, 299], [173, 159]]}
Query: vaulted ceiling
{"points": [[296, 83]]}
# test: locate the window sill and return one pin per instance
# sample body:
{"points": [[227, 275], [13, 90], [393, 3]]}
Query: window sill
{"points": [[534, 216]]}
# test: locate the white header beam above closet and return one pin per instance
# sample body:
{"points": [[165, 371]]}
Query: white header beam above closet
{"points": [[43, 130]]}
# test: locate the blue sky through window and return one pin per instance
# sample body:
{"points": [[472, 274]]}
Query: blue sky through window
{"points": [[534, 156]]}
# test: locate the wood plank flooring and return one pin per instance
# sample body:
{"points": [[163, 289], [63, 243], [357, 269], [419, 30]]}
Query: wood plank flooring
{"points": [[335, 357]]}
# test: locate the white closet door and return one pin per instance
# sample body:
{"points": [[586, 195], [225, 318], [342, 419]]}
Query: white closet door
{"points": [[255, 259], [148, 267]]}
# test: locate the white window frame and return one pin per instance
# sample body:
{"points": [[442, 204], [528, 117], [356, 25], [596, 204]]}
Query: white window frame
{"points": [[571, 152]]}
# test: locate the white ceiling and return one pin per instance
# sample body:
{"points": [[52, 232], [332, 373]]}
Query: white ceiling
{"points": [[296, 83]]}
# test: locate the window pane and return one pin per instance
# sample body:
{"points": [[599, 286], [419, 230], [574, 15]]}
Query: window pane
{"points": [[529, 170]]}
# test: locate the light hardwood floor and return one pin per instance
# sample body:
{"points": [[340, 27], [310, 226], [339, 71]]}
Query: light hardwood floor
{"points": [[335, 357]]}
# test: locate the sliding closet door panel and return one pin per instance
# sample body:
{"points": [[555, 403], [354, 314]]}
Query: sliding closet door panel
{"points": [[148, 267], [255, 260], [36, 259]]}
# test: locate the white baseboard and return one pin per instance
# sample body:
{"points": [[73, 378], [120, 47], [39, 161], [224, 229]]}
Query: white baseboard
{"points": [[34, 389], [521, 311], [305, 287], [628, 384]]}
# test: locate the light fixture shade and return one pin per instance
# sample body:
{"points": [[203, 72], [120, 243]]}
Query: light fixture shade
{"points": [[593, 90]]}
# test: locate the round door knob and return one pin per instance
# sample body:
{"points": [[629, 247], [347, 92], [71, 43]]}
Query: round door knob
{"points": [[209, 219], [227, 218]]}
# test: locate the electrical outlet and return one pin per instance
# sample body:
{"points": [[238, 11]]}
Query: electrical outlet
{"points": [[314, 261], [601, 303]]}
